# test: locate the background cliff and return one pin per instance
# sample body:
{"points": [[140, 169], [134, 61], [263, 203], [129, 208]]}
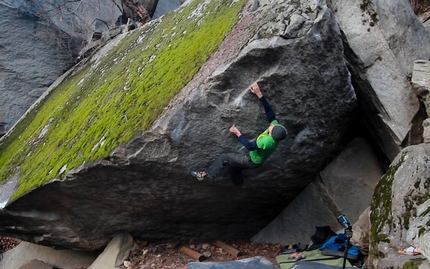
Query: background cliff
{"points": [[42, 39], [107, 149]]}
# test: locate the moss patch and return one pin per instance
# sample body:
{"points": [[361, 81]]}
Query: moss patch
{"points": [[380, 215], [412, 264], [103, 106], [368, 7]]}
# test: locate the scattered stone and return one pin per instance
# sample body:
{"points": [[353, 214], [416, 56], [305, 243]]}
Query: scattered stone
{"points": [[7, 243], [206, 246], [426, 132], [26, 252], [421, 82], [162, 257], [114, 253], [36, 264], [361, 231]]}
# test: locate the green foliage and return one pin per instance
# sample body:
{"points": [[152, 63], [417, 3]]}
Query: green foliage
{"points": [[106, 104]]}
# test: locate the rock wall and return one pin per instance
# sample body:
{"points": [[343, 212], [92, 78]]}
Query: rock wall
{"points": [[41, 40], [400, 209], [78, 19], [345, 186], [33, 55], [383, 39]]}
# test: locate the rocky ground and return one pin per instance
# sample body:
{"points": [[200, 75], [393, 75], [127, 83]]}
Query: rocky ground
{"points": [[7, 243], [168, 255]]}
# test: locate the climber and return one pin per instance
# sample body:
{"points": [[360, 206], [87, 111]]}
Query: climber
{"points": [[259, 149]]}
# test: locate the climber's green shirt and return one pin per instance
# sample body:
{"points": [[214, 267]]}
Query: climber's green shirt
{"points": [[266, 146]]}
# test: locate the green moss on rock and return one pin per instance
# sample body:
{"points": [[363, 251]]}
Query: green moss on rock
{"points": [[92, 112], [380, 215], [412, 264]]}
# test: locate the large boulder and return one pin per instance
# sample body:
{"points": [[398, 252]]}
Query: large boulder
{"points": [[143, 187], [383, 39], [400, 209]]}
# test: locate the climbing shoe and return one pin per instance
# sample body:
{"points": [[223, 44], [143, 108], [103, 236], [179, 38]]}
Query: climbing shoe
{"points": [[199, 174]]}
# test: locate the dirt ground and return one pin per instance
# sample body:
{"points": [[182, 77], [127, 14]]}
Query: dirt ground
{"points": [[168, 255], [7, 243]]}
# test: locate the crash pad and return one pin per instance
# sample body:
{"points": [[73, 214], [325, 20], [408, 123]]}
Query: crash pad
{"points": [[313, 259], [248, 263]]}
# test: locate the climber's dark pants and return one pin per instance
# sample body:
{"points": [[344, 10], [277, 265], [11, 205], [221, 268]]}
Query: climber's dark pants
{"points": [[235, 162]]}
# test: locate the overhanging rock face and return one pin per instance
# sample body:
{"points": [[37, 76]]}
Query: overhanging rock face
{"points": [[144, 188]]}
